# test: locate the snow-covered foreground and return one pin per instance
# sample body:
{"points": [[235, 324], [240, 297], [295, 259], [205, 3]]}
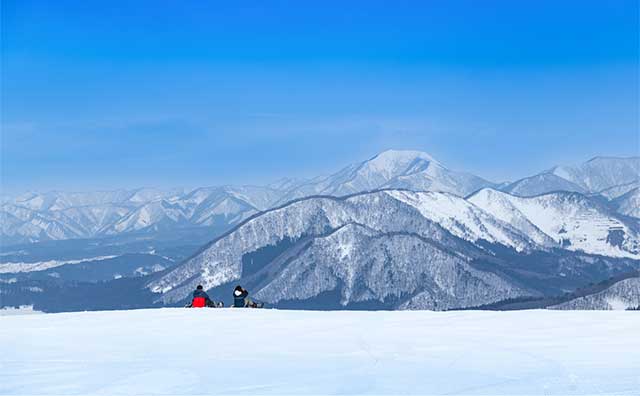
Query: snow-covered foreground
{"points": [[226, 351]]}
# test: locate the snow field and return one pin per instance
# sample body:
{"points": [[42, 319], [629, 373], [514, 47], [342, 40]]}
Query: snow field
{"points": [[227, 351]]}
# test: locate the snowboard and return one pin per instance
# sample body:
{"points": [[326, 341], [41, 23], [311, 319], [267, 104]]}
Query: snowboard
{"points": [[254, 305], [218, 304]]}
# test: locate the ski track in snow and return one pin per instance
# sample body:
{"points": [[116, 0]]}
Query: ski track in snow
{"points": [[227, 351]]}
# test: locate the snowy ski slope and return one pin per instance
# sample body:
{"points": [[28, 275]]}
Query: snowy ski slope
{"points": [[255, 352]]}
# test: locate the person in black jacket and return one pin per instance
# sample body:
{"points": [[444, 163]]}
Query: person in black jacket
{"points": [[241, 299]]}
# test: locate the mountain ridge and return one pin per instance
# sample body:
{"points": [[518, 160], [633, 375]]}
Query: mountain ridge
{"points": [[63, 215], [358, 233]]}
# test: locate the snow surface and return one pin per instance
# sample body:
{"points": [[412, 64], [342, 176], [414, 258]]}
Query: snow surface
{"points": [[14, 267], [21, 310], [227, 351]]}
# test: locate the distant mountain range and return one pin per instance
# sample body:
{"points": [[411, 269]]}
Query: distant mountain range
{"points": [[59, 215], [609, 176], [398, 231]]}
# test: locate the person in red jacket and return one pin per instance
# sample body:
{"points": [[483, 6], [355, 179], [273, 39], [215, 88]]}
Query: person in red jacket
{"points": [[201, 299]]}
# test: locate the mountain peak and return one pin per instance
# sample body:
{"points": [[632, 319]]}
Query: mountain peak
{"points": [[402, 155], [392, 163]]}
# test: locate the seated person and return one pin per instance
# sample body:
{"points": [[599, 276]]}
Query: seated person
{"points": [[241, 299], [201, 299]]}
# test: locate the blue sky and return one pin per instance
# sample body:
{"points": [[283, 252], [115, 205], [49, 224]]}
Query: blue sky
{"points": [[99, 95]]}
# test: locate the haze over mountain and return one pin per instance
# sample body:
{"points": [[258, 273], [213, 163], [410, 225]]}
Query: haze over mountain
{"points": [[60, 215], [609, 175]]}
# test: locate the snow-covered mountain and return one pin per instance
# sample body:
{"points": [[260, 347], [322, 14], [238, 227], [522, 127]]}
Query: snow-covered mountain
{"points": [[399, 248], [21, 224], [601, 173], [622, 295], [572, 220], [628, 203], [469, 222], [59, 215], [398, 231], [57, 200], [540, 184], [371, 246], [617, 191], [211, 207], [411, 170], [611, 176]]}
